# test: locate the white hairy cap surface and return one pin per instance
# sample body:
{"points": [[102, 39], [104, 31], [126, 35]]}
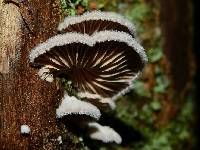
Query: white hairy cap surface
{"points": [[104, 133], [25, 129], [98, 37], [71, 105]]}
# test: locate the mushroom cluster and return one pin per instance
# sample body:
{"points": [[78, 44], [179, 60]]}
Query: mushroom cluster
{"points": [[98, 53]]}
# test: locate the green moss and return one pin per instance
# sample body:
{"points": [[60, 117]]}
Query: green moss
{"points": [[69, 6], [67, 85]]}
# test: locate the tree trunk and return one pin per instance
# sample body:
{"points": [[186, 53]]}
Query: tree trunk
{"points": [[176, 27], [24, 98], [177, 39]]}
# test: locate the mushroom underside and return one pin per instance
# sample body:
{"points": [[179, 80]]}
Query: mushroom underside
{"points": [[105, 68], [95, 21], [92, 26]]}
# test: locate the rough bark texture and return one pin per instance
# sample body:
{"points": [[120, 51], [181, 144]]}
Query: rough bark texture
{"points": [[10, 30], [175, 19], [24, 98]]}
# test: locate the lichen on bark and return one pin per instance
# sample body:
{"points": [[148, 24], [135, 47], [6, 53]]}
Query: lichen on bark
{"points": [[10, 34]]}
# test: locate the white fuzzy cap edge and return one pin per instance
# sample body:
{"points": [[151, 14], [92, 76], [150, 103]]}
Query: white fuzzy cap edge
{"points": [[70, 105]]}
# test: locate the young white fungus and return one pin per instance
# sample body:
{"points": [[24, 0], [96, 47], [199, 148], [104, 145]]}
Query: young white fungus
{"points": [[25, 129]]}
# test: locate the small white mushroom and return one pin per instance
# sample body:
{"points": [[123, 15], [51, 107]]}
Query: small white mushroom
{"points": [[104, 133], [71, 105], [25, 129]]}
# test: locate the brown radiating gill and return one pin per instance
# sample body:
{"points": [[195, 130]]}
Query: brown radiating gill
{"points": [[91, 26], [96, 21], [97, 51]]}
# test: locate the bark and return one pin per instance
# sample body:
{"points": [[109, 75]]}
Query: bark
{"points": [[24, 98]]}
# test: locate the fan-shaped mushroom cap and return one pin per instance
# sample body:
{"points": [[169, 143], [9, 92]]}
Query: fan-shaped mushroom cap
{"points": [[71, 105], [104, 133], [104, 63], [94, 21]]}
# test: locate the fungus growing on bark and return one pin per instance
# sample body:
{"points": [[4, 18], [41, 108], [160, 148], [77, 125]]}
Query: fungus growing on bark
{"points": [[95, 21], [99, 54], [104, 133]]}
